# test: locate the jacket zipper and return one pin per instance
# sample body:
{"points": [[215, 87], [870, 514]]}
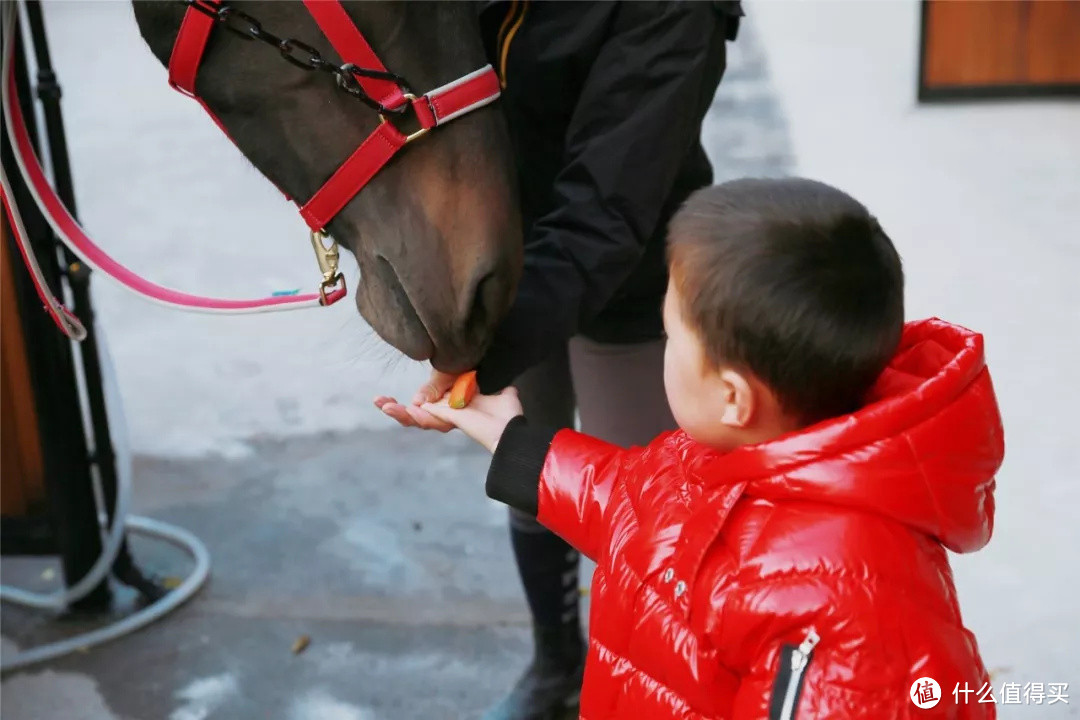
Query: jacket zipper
{"points": [[793, 663]]}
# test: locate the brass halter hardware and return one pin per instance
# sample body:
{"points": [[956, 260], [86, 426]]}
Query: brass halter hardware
{"points": [[327, 257]]}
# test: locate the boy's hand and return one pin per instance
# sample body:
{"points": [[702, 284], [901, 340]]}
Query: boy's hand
{"points": [[485, 418], [412, 415]]}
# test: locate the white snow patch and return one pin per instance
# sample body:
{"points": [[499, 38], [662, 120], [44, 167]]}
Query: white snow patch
{"points": [[320, 705], [203, 696]]}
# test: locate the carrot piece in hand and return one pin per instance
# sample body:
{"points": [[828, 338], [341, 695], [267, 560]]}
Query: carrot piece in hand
{"points": [[461, 394]]}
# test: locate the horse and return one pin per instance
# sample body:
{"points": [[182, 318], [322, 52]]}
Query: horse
{"points": [[437, 232]]}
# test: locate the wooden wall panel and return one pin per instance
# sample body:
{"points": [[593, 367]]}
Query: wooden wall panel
{"points": [[999, 48], [974, 43], [1053, 42]]}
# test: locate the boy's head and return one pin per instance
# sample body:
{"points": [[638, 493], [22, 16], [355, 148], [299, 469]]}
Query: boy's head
{"points": [[785, 304]]}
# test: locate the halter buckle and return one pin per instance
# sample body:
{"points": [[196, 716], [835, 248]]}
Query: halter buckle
{"points": [[330, 291], [409, 100], [332, 287]]}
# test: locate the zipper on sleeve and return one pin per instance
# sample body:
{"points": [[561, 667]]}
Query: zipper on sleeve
{"points": [[787, 687]]}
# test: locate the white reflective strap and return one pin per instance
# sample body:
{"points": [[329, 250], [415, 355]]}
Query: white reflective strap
{"points": [[450, 86]]}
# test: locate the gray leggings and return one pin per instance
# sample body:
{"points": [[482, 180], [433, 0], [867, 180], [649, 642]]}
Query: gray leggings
{"points": [[618, 391]]}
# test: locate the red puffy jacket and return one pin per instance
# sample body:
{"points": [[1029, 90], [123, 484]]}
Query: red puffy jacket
{"points": [[805, 577]]}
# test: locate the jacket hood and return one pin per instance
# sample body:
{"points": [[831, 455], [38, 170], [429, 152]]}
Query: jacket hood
{"points": [[923, 450]]}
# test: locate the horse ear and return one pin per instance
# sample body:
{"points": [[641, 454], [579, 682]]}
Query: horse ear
{"points": [[159, 23]]}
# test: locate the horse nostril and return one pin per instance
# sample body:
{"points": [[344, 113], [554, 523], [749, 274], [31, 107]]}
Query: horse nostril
{"points": [[483, 299]]}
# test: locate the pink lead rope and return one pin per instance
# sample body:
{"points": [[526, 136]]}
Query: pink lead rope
{"points": [[433, 109], [71, 233]]}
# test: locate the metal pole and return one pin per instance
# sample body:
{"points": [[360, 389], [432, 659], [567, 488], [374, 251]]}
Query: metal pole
{"points": [[103, 456]]}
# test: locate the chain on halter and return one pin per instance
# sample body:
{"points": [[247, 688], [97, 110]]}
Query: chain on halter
{"points": [[302, 55]]}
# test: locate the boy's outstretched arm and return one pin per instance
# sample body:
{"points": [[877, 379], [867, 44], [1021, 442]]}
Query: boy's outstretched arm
{"points": [[562, 477]]}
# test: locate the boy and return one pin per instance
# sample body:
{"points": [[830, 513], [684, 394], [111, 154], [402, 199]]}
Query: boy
{"points": [[783, 554]]}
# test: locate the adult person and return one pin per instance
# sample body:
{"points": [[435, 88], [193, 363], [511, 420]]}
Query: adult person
{"points": [[604, 103]]}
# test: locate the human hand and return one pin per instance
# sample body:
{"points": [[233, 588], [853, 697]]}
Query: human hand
{"points": [[484, 419], [413, 415]]}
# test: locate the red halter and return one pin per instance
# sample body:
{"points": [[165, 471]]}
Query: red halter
{"points": [[432, 109]]}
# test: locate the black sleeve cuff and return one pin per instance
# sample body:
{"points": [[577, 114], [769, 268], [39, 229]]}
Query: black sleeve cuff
{"points": [[514, 475]]}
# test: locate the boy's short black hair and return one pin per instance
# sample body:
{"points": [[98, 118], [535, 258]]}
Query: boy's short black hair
{"points": [[794, 281]]}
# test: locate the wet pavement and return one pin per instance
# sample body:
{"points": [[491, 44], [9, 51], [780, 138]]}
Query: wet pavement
{"points": [[380, 547]]}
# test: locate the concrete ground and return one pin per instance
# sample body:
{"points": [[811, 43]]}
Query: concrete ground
{"points": [[380, 547], [379, 544]]}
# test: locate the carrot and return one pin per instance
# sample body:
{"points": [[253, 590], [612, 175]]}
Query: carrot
{"points": [[461, 394]]}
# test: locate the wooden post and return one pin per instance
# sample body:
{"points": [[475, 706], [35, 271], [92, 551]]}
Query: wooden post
{"points": [[22, 484]]}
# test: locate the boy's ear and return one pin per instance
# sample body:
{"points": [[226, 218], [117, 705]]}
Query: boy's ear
{"points": [[739, 400]]}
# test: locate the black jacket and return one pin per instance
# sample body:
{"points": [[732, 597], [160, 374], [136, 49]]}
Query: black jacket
{"points": [[605, 102]]}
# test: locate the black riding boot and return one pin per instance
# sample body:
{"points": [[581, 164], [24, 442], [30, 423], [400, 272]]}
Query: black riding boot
{"points": [[549, 687]]}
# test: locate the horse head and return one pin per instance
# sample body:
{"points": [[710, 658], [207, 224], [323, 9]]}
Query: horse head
{"points": [[436, 233]]}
